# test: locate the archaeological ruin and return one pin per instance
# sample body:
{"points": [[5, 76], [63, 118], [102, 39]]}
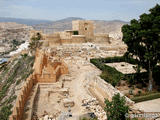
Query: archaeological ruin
{"points": [[47, 70], [64, 82]]}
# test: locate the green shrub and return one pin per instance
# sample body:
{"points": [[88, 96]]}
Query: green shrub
{"points": [[117, 108], [5, 112], [109, 74], [24, 55], [116, 59], [19, 68], [150, 96], [113, 76]]}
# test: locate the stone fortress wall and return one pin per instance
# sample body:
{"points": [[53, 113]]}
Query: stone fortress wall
{"points": [[82, 32], [45, 71], [18, 109]]}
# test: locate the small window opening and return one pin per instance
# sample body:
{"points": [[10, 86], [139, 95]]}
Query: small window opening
{"points": [[75, 33]]}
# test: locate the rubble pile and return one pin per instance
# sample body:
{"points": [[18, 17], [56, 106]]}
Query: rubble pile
{"points": [[93, 106], [86, 50], [45, 116]]}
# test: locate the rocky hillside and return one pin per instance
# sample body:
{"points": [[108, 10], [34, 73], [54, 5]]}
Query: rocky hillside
{"points": [[12, 35], [12, 76]]}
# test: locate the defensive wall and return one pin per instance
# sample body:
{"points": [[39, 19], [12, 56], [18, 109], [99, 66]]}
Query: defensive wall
{"points": [[45, 71], [82, 32]]}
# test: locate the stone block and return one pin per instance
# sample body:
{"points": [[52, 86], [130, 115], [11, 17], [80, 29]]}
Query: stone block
{"points": [[68, 103]]}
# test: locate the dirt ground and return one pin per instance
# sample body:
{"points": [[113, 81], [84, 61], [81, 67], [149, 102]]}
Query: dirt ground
{"points": [[50, 98], [73, 86]]}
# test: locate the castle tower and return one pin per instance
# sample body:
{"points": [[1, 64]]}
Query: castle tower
{"points": [[83, 27]]}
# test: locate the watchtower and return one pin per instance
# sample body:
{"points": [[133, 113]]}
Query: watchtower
{"points": [[83, 27]]}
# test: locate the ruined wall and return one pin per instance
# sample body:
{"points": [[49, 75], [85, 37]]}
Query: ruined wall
{"points": [[78, 39], [46, 70], [102, 90], [51, 75], [39, 62], [101, 38], [66, 41], [63, 38], [65, 35], [18, 110], [52, 39], [75, 39], [45, 78]]}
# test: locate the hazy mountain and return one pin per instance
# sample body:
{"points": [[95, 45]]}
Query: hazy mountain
{"points": [[48, 26], [56, 26], [24, 21]]}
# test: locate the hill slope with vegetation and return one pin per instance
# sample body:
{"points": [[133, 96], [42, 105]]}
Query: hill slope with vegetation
{"points": [[12, 76]]}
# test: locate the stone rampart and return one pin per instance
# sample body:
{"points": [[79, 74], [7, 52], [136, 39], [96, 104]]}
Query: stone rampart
{"points": [[52, 39], [38, 76], [18, 109]]}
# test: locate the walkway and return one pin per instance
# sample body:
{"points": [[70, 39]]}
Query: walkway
{"points": [[149, 106]]}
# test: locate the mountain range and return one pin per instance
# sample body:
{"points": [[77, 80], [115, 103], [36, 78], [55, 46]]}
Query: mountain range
{"points": [[29, 22], [101, 26], [112, 27]]}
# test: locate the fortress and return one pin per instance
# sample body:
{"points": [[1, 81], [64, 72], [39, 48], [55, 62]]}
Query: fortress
{"points": [[82, 32], [63, 77]]}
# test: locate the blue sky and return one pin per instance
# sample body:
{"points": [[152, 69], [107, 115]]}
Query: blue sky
{"points": [[88, 9]]}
